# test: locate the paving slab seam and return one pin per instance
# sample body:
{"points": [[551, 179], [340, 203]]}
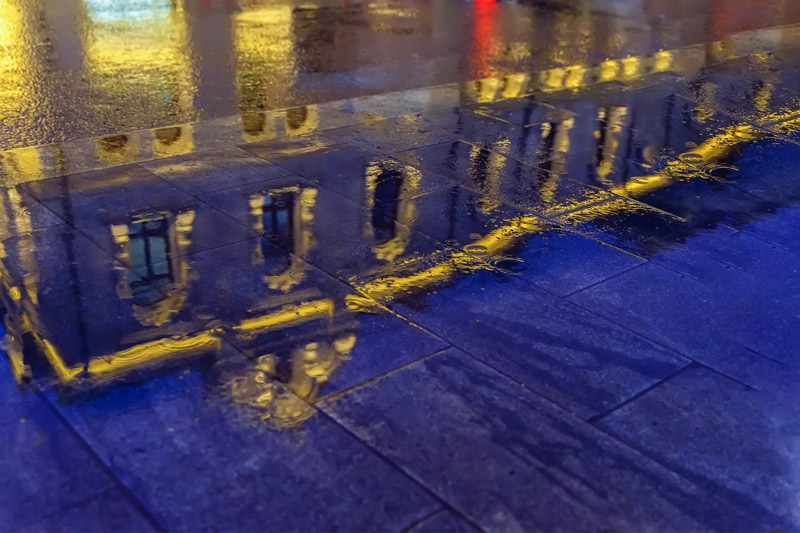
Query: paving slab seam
{"points": [[609, 278], [714, 489], [421, 520], [593, 420], [675, 350], [684, 475], [511, 378], [402, 471], [380, 377], [68, 507], [129, 495]]}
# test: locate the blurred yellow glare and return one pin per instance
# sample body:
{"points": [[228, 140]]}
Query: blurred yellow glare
{"points": [[143, 40], [15, 57], [263, 42]]}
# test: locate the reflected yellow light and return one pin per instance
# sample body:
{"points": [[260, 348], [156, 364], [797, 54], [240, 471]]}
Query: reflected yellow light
{"points": [[662, 61], [146, 42], [263, 42], [173, 140], [18, 62]]}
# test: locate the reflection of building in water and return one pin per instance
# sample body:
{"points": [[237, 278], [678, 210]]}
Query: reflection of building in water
{"points": [[163, 301], [152, 247], [389, 191], [284, 217], [173, 140], [263, 126]]}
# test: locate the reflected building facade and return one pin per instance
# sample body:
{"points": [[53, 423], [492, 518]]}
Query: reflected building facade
{"points": [[151, 288]]}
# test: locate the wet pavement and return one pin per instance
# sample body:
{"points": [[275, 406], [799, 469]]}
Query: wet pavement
{"points": [[556, 297], [73, 69]]}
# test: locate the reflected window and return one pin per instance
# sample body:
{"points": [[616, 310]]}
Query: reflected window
{"points": [[387, 191], [149, 259], [278, 223]]}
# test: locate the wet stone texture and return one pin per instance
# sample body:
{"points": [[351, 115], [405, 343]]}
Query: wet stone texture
{"points": [[399, 267]]}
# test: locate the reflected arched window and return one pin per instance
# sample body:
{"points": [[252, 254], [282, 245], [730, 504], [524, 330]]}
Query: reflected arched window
{"points": [[277, 218], [149, 260], [388, 184]]}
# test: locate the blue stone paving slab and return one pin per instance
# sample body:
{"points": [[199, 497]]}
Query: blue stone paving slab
{"points": [[778, 227], [110, 511], [511, 462], [93, 203], [581, 362], [769, 170], [379, 180], [392, 135], [563, 262], [556, 259], [45, 468], [237, 441], [18, 401], [663, 127], [608, 168], [720, 320], [704, 203], [739, 442], [704, 195], [713, 255], [500, 178], [209, 171], [443, 522], [729, 269], [339, 235], [732, 181]]}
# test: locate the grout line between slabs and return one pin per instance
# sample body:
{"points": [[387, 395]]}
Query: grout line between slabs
{"points": [[593, 420], [128, 493], [445, 505]]}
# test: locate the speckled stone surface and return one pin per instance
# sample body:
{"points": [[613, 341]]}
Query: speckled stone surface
{"points": [[245, 473], [576, 359], [738, 442], [485, 436], [46, 469]]}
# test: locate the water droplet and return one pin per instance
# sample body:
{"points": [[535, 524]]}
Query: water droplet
{"points": [[509, 265], [725, 173], [476, 249]]}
